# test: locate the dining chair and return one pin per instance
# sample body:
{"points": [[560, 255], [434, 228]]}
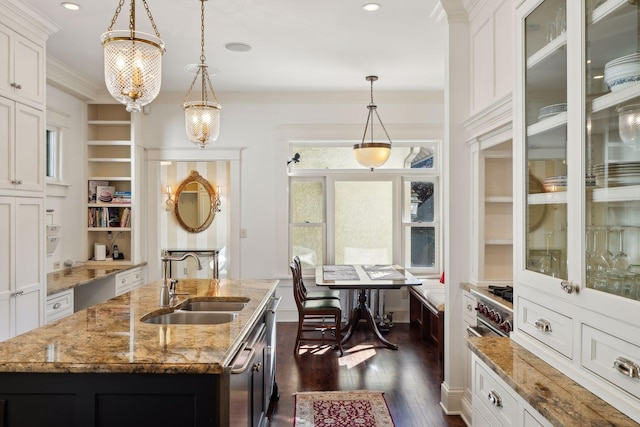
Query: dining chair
{"points": [[310, 295], [312, 315]]}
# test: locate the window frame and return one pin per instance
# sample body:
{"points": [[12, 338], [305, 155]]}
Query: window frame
{"points": [[401, 219]]}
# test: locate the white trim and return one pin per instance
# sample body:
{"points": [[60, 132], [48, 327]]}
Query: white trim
{"points": [[70, 81]]}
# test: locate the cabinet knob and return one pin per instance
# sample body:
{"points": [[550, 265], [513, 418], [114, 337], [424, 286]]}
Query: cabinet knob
{"points": [[16, 85], [57, 306], [17, 293], [568, 287], [257, 367], [16, 181]]}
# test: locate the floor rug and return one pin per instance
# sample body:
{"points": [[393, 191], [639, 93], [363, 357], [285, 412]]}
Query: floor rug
{"points": [[360, 408]]}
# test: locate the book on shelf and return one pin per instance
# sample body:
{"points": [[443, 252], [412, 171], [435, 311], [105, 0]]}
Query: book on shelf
{"points": [[93, 186], [109, 217]]}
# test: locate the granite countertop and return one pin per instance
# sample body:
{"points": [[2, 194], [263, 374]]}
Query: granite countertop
{"points": [[68, 278], [110, 338], [562, 401]]}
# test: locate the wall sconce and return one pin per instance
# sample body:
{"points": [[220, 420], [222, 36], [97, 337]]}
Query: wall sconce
{"points": [[170, 203], [215, 201]]}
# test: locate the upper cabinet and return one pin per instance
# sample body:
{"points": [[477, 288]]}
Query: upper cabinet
{"points": [[22, 69], [577, 172]]}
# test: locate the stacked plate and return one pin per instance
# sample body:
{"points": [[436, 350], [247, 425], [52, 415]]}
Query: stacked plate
{"points": [[555, 183], [551, 110], [622, 72], [617, 174]]}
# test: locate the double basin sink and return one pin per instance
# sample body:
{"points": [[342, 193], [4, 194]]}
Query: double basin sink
{"points": [[209, 312]]}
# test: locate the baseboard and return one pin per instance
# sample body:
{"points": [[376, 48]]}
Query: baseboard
{"points": [[467, 412], [451, 399]]}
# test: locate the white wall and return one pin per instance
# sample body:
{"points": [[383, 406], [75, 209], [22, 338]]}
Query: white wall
{"points": [[69, 114], [259, 125]]}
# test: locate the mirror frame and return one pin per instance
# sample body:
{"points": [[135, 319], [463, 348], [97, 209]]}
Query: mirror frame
{"points": [[195, 177]]}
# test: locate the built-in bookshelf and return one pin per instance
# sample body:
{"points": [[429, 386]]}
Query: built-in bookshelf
{"points": [[110, 171]]}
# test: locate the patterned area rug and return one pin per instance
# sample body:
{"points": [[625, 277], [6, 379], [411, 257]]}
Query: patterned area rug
{"points": [[360, 408]]}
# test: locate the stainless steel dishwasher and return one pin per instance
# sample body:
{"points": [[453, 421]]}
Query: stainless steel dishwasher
{"points": [[272, 394], [247, 382]]}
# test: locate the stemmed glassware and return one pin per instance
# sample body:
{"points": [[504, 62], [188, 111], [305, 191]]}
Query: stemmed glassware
{"points": [[621, 259], [597, 265], [548, 262]]}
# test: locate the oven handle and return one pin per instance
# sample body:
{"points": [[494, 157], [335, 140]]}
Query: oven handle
{"points": [[473, 332], [479, 331]]}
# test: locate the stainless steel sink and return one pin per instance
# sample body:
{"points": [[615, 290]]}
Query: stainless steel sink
{"points": [[180, 317], [214, 306]]}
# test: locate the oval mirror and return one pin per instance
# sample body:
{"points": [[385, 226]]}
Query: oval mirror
{"points": [[195, 203]]}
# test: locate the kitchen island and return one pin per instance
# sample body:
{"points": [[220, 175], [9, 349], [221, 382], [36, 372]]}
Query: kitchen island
{"points": [[103, 366]]}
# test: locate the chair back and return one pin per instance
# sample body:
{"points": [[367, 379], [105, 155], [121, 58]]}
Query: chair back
{"points": [[298, 292], [296, 261]]}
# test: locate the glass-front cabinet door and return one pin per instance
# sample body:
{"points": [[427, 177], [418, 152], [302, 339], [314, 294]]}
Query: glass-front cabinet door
{"points": [[543, 115], [612, 148]]}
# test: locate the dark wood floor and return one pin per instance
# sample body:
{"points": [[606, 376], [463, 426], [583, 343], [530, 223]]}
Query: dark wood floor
{"points": [[409, 377]]}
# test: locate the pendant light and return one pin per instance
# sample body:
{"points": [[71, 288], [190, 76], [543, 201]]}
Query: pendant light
{"points": [[202, 117], [132, 61], [372, 154]]}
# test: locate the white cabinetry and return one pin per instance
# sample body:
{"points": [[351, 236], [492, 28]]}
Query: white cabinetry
{"points": [[59, 305], [21, 265], [21, 147], [22, 75], [129, 280], [578, 194], [495, 404]]}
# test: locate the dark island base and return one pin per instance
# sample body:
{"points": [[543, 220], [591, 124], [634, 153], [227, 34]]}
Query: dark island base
{"points": [[104, 400]]}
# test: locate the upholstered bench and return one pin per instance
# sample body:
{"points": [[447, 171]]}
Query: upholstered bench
{"points": [[426, 310]]}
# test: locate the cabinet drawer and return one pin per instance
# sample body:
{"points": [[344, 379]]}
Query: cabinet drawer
{"points": [[123, 282], [482, 417], [547, 326], [469, 309], [494, 395], [602, 352], [59, 305], [136, 277]]}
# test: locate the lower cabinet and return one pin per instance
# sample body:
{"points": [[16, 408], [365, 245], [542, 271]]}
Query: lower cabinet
{"points": [[129, 280], [59, 305], [495, 404], [21, 265]]}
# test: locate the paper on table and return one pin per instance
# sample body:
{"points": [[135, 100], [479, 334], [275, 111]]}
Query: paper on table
{"points": [[382, 272], [339, 272]]}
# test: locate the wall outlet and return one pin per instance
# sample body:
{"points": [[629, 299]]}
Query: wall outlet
{"points": [[56, 265]]}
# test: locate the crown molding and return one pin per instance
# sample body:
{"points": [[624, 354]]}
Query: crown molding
{"points": [[30, 22], [70, 81]]}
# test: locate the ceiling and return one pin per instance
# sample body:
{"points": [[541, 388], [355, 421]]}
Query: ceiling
{"points": [[297, 45]]}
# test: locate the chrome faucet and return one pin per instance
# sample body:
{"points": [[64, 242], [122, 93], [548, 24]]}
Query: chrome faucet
{"points": [[168, 290]]}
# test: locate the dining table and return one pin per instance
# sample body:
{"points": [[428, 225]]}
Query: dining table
{"points": [[364, 277]]}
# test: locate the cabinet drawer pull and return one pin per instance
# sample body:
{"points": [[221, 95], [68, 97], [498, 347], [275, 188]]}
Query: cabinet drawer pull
{"points": [[244, 367], [495, 399], [57, 305], [469, 308], [568, 287], [626, 367], [543, 325]]}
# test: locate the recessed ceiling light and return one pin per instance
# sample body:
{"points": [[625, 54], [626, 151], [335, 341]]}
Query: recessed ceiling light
{"points": [[238, 47], [70, 6], [371, 7]]}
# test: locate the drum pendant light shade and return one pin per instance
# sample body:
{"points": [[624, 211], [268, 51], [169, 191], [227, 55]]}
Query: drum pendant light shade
{"points": [[132, 62], [372, 154]]}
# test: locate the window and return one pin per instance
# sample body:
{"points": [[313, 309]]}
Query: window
{"points": [[341, 213], [52, 168]]}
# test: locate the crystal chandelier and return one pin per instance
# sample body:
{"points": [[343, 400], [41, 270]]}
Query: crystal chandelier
{"points": [[372, 154], [202, 117], [132, 61]]}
